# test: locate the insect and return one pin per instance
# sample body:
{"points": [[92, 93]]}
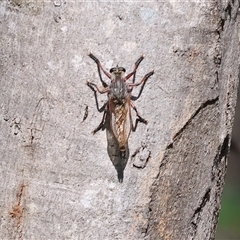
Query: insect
{"points": [[120, 101]]}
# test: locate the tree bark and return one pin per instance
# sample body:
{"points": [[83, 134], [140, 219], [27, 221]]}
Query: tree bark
{"points": [[57, 180]]}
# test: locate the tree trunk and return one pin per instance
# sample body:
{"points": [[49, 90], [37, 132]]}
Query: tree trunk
{"points": [[58, 181]]}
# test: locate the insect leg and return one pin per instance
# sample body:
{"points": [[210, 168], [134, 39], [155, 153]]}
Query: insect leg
{"points": [[134, 127], [136, 66], [139, 118], [99, 65], [95, 96], [145, 78], [134, 69], [143, 81], [94, 87], [100, 126]]}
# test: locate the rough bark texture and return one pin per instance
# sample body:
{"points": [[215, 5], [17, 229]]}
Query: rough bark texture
{"points": [[57, 181]]}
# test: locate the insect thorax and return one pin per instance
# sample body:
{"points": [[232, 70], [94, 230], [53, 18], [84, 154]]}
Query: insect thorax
{"points": [[118, 90]]}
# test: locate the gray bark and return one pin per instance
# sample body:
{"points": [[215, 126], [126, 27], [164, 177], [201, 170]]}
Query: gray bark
{"points": [[57, 180]]}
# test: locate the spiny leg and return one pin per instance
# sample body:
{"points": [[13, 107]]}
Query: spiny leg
{"points": [[99, 65], [143, 82]]}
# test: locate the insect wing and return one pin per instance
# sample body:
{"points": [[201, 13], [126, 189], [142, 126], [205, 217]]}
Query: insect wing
{"points": [[120, 122]]}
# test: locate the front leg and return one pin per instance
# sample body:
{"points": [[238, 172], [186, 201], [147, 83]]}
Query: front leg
{"points": [[137, 63], [99, 66], [134, 69]]}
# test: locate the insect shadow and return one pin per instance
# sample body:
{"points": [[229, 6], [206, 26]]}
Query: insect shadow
{"points": [[117, 118], [118, 157]]}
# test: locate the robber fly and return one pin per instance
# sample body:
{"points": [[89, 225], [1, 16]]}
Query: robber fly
{"points": [[120, 101]]}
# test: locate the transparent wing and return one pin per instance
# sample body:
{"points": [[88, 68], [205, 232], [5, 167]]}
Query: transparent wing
{"points": [[120, 122]]}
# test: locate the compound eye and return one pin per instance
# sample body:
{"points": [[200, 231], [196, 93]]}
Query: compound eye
{"points": [[117, 69], [112, 70], [122, 69]]}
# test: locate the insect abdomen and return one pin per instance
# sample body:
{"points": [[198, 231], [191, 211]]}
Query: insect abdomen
{"points": [[121, 124]]}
